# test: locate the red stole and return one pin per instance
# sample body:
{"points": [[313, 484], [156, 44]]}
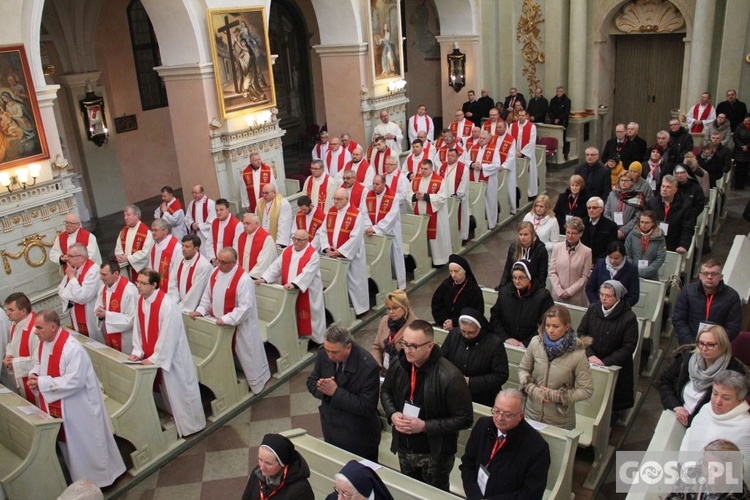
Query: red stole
{"points": [[361, 169], [340, 161], [230, 294], [249, 180], [470, 143], [378, 160], [162, 267], [322, 190], [82, 237], [504, 148], [443, 151], [346, 226], [78, 318], [304, 319], [25, 352], [488, 127], [393, 186], [413, 165], [426, 148], [355, 195], [319, 150], [138, 242], [352, 146], [174, 207], [697, 127], [525, 134], [228, 236], [376, 215], [150, 334], [478, 175], [439, 142], [433, 188], [426, 124], [465, 130], [189, 284], [53, 370], [259, 237], [459, 174], [114, 339], [315, 223], [205, 209]]}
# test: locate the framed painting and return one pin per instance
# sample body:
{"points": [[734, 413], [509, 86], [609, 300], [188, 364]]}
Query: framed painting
{"points": [[386, 48], [22, 138], [242, 60]]}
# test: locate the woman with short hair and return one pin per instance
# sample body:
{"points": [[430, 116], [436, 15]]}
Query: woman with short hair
{"points": [[614, 266], [624, 204], [646, 247], [572, 203], [570, 266], [391, 328]]}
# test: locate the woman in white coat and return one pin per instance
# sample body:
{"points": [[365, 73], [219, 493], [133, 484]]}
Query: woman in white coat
{"points": [[543, 219]]}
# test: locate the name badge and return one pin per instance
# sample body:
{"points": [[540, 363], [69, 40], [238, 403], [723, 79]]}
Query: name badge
{"points": [[642, 264], [703, 324], [411, 411], [568, 217], [483, 476], [664, 228], [619, 218], [652, 183]]}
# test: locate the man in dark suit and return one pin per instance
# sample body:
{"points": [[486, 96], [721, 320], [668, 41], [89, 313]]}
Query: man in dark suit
{"points": [[538, 107], [598, 231], [513, 97], [639, 143], [485, 104], [619, 148], [471, 109], [597, 177], [675, 215], [734, 109]]}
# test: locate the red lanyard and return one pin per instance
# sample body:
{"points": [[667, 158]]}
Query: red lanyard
{"points": [[644, 245], [572, 206], [709, 300], [413, 382], [283, 478], [499, 443], [455, 297], [666, 211]]}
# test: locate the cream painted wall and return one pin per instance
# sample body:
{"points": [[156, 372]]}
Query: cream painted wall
{"points": [[423, 75], [147, 156]]}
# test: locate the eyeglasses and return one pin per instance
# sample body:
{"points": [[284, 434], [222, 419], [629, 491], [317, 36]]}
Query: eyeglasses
{"points": [[709, 274], [414, 347], [343, 494], [505, 414], [142, 283], [71, 223], [707, 345], [225, 262], [74, 256]]}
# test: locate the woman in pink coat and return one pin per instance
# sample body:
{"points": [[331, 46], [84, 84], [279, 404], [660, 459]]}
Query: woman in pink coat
{"points": [[570, 266]]}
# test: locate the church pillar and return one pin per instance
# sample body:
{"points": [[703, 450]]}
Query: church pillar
{"points": [[344, 68], [700, 52], [100, 166], [736, 20], [577, 52], [469, 45]]}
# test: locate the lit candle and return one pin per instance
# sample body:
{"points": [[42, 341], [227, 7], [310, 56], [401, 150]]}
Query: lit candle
{"points": [[34, 170], [5, 179], [23, 175]]}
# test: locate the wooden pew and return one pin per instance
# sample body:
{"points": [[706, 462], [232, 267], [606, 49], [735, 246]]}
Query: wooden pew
{"points": [[211, 347], [326, 460], [522, 183], [503, 199], [650, 307], [490, 297], [700, 232], [452, 206], [278, 323], [712, 217], [129, 399], [556, 131], [335, 292], [378, 256], [671, 266], [736, 270], [292, 186], [415, 243], [541, 167], [29, 467], [477, 192]]}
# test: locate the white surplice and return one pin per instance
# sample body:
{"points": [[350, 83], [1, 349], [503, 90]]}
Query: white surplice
{"points": [[90, 452], [137, 260], [283, 223], [332, 161], [92, 248], [417, 124], [6, 377], [490, 170], [213, 249], [204, 224], [13, 348], [459, 188], [244, 198], [265, 258], [440, 247], [161, 246], [390, 225], [84, 293], [333, 185], [118, 321], [172, 356], [175, 220], [390, 128], [189, 298], [529, 151], [398, 184]]}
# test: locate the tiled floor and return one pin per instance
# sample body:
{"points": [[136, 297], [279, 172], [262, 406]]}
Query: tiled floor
{"points": [[218, 466]]}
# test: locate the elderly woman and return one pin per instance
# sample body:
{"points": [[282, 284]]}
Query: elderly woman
{"points": [[391, 328], [571, 203], [281, 472], [359, 482], [624, 204], [726, 417], [570, 267], [456, 292], [520, 305], [554, 372], [478, 354], [646, 247], [528, 247], [686, 385], [614, 267], [614, 330], [686, 491], [543, 219]]}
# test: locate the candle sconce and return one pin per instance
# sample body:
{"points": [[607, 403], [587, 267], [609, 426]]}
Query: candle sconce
{"points": [[94, 118]]}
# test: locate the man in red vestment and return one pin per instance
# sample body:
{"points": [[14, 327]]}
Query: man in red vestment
{"points": [[225, 230], [256, 175], [23, 343], [134, 242]]}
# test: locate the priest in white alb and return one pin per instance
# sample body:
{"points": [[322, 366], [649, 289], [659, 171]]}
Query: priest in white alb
{"points": [[200, 214], [187, 283], [336, 158], [380, 151], [73, 233], [320, 186], [441, 152], [342, 237], [21, 346], [455, 176], [172, 212], [321, 147], [68, 389], [159, 339], [411, 165], [256, 175], [495, 154], [225, 230], [165, 254], [355, 190], [309, 217], [427, 145], [255, 247], [391, 131], [461, 127], [115, 307], [397, 183], [524, 131], [361, 167], [421, 122], [78, 290], [275, 215], [491, 125], [298, 267], [383, 216], [134, 242], [429, 196], [230, 298]]}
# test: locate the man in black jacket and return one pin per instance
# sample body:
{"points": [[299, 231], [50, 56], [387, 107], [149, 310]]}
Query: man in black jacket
{"points": [[619, 148], [598, 231], [514, 96], [538, 107], [597, 176], [690, 190], [427, 401], [676, 219], [505, 456], [680, 142], [346, 378], [639, 143]]}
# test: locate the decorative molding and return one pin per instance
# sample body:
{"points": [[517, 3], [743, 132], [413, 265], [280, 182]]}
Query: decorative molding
{"points": [[649, 16], [199, 71], [335, 50], [529, 35], [33, 241], [449, 39]]}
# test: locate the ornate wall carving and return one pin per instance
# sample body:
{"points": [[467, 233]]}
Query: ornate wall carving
{"points": [[529, 35], [649, 16]]}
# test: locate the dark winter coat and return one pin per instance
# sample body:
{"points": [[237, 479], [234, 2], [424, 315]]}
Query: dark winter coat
{"points": [[538, 257], [517, 315], [628, 276], [598, 236], [681, 221], [296, 485], [690, 310], [563, 206], [598, 179]]}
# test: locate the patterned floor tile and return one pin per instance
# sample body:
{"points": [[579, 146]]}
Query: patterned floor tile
{"points": [[182, 470], [270, 408], [226, 438], [226, 464], [223, 489], [187, 491], [303, 403]]}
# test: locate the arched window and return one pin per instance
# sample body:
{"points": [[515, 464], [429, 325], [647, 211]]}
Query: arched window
{"points": [[146, 55]]}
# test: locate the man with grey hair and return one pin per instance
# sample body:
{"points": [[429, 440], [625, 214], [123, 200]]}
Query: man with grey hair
{"points": [[597, 176], [675, 215], [520, 470], [321, 148], [346, 379], [165, 255], [361, 167], [254, 177], [256, 249], [73, 233], [133, 245], [78, 290], [275, 214], [382, 215], [200, 214], [320, 186], [639, 143], [598, 231]]}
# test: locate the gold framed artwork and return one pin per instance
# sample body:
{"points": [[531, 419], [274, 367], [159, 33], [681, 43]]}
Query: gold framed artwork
{"points": [[242, 60], [22, 138], [386, 49]]}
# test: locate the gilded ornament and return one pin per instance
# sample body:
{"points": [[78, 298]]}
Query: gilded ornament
{"points": [[529, 35], [27, 244]]}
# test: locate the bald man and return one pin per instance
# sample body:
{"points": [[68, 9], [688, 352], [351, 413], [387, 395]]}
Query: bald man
{"points": [[201, 212], [74, 233]]}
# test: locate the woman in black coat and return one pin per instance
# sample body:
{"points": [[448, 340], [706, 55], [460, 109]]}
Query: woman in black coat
{"points": [[686, 385], [572, 203], [527, 247], [281, 472], [456, 292], [520, 305], [614, 330]]}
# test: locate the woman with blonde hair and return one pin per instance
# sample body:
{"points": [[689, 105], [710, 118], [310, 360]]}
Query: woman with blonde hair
{"points": [[543, 219], [570, 266], [624, 204], [526, 247], [391, 328], [572, 203]]}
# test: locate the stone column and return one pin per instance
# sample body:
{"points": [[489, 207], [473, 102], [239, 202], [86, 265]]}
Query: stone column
{"points": [[576, 89], [700, 52], [452, 100], [736, 20]]}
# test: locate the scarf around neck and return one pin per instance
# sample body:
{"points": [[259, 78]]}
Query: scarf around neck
{"points": [[556, 348], [703, 376], [613, 270]]}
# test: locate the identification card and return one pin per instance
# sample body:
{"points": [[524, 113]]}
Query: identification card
{"points": [[664, 228], [568, 217], [483, 476], [411, 411], [642, 264], [652, 183], [619, 219], [702, 325]]}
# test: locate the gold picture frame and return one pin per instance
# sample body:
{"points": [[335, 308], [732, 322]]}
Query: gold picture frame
{"points": [[242, 60], [386, 47]]}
